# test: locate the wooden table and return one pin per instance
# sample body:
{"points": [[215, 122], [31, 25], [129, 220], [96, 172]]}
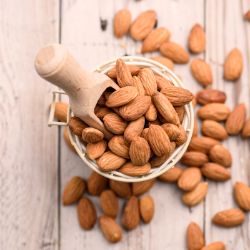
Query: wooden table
{"points": [[35, 162]]}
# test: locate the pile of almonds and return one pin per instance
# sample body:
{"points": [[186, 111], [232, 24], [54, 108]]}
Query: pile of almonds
{"points": [[145, 116]]}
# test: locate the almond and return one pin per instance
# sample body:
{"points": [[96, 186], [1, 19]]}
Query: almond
{"points": [[214, 130], [144, 133], [122, 189], [110, 229], [143, 25], [119, 146], [151, 114], [247, 15], [229, 218], [155, 39], [182, 138], [67, 139], [175, 52], [164, 60], [96, 150], [139, 188], [180, 112], [124, 77], [162, 82], [193, 158], [196, 127], [158, 140], [171, 130], [165, 108], [135, 170], [73, 190], [131, 216], [195, 237], [147, 208], [137, 83], [242, 195], [121, 96], [233, 65], [92, 135], [134, 129], [202, 144], [195, 196], [246, 129], [136, 108], [202, 72], [96, 183], [215, 246], [236, 120], [76, 125], [157, 161], [214, 111], [86, 213], [122, 21], [197, 39], [147, 77], [114, 123], [215, 172], [171, 175], [61, 111], [206, 96], [219, 154], [110, 161], [139, 151], [109, 203], [112, 73], [102, 111], [189, 179]]}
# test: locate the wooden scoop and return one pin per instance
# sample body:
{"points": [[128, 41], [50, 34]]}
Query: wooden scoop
{"points": [[55, 64]]}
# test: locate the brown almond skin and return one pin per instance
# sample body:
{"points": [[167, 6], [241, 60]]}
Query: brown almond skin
{"points": [[196, 128], [73, 190], [134, 129], [139, 188], [219, 154], [218, 245], [162, 82], [229, 218], [189, 179], [92, 135], [101, 111], [215, 172], [122, 189], [135, 170], [96, 184], [114, 123], [171, 175], [96, 150], [86, 213], [110, 229], [119, 146], [147, 77], [171, 130], [246, 129], [61, 109], [236, 120], [164, 60], [122, 21], [182, 138], [242, 195], [195, 237], [202, 144], [157, 161], [138, 84], [197, 39], [214, 130], [206, 96], [147, 208], [109, 203], [112, 73], [193, 158], [247, 15], [76, 125], [131, 215], [124, 76], [151, 114], [180, 110]]}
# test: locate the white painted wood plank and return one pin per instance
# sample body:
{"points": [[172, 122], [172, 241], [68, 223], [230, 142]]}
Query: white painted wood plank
{"points": [[82, 34], [28, 178], [226, 29]]}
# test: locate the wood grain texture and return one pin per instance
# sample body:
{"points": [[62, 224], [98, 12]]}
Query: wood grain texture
{"points": [[28, 178]]}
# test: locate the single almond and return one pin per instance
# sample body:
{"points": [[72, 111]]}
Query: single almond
{"points": [[182, 138], [110, 161], [202, 144], [164, 60], [193, 158], [136, 108], [96, 184], [180, 112], [214, 111], [155, 39], [229, 218], [131, 215], [175, 52], [67, 139], [195, 196], [233, 65], [236, 120], [147, 208], [110, 229], [139, 188], [96, 150], [73, 190], [147, 77], [61, 111], [119, 146], [214, 130], [162, 82], [195, 237], [138, 85], [143, 25], [171, 175], [219, 154], [202, 72], [109, 203], [134, 129], [165, 108], [242, 195], [124, 76], [92, 135], [114, 123], [171, 130], [189, 179], [246, 129], [112, 73], [122, 21], [135, 170], [151, 114], [122, 189], [86, 213], [76, 125], [218, 245], [206, 96], [102, 111], [215, 172], [197, 39]]}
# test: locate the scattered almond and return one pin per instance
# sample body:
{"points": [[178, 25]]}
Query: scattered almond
{"points": [[219, 154], [147, 208], [202, 144], [246, 129], [215, 246], [242, 195], [139, 188], [96, 183], [171, 175], [197, 39], [195, 237], [109, 203], [189, 179], [214, 130], [122, 189], [215, 172], [122, 20], [193, 158], [206, 96]]}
